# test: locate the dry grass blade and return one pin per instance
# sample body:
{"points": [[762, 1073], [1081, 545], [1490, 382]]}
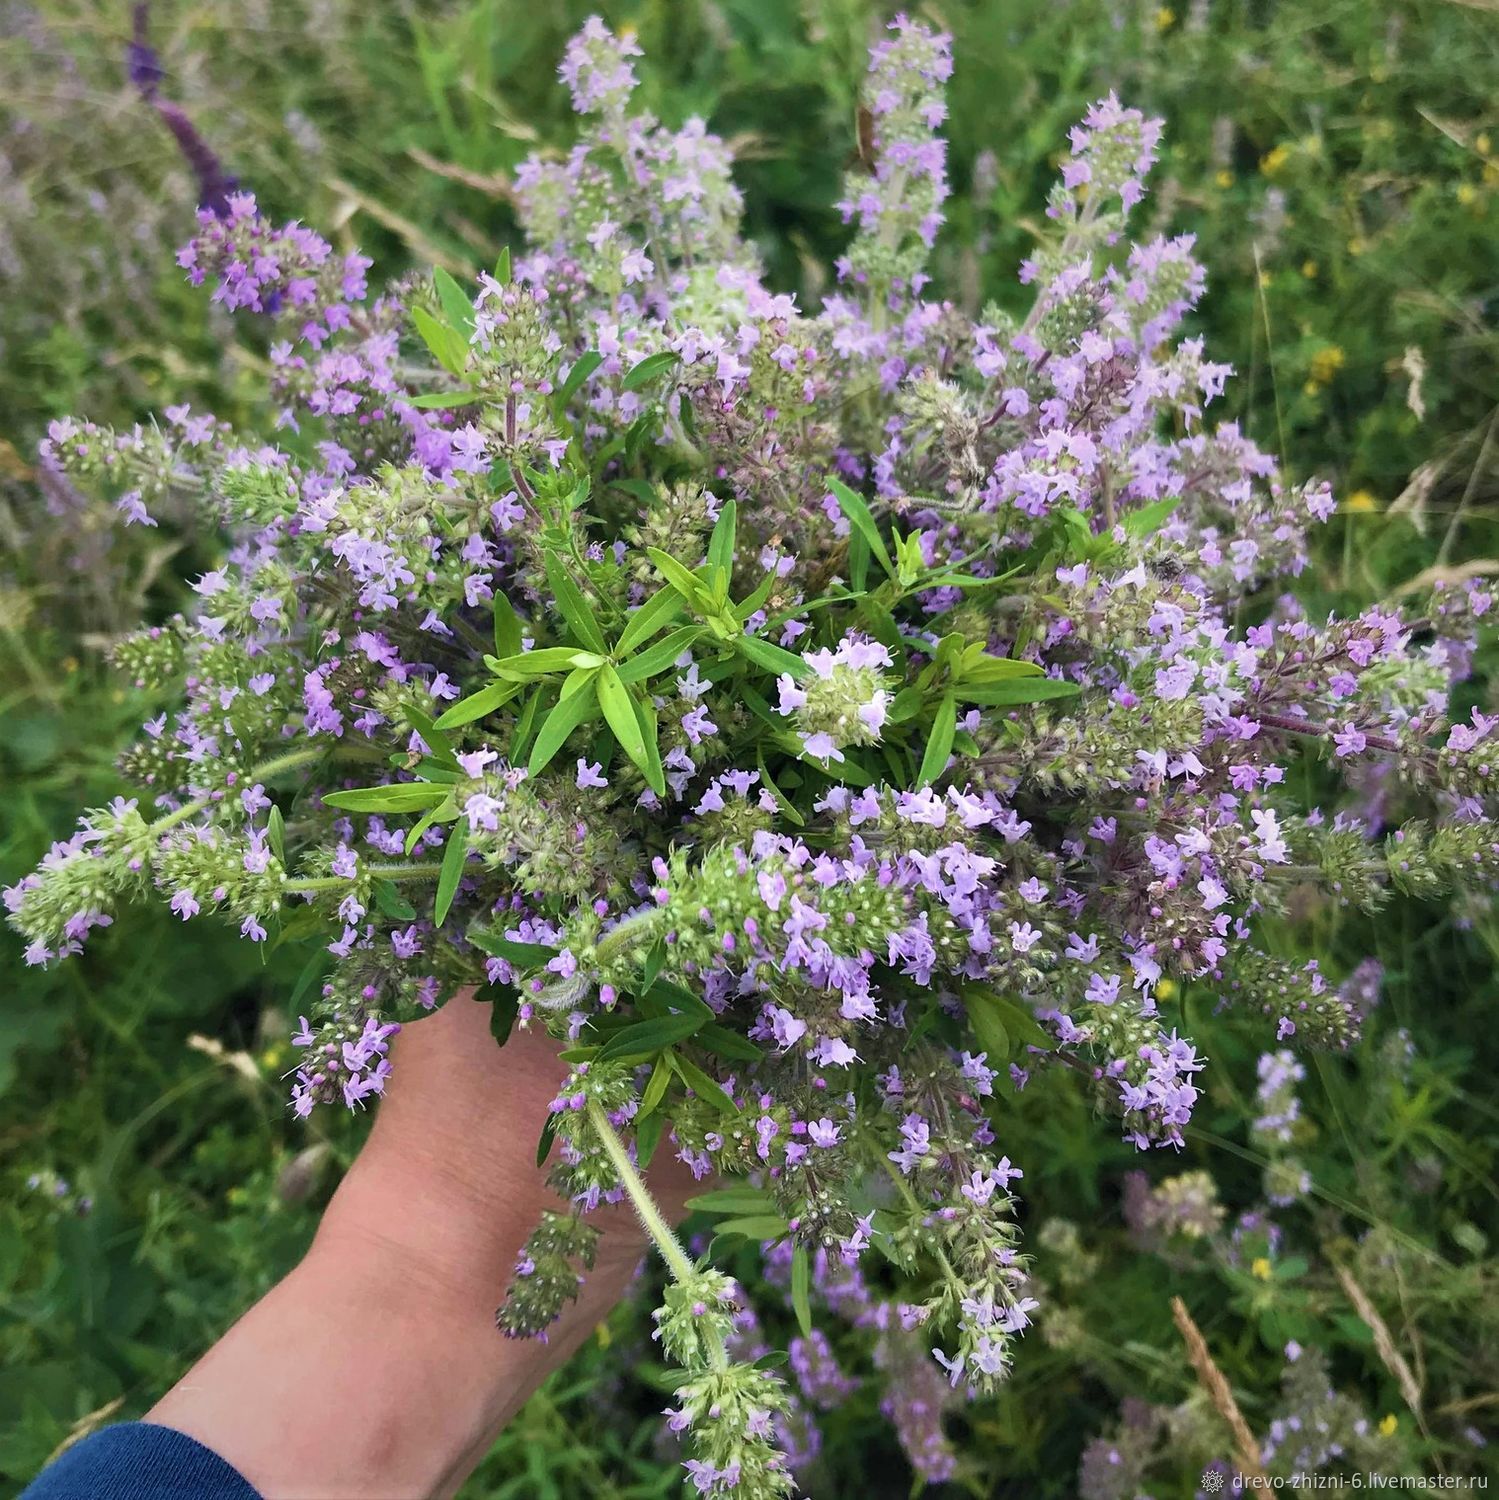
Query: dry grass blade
{"points": [[1246, 1450], [1384, 1344], [85, 1425]]}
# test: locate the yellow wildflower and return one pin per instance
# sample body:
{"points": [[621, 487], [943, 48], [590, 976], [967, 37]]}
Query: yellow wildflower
{"points": [[1483, 144], [1361, 501], [1260, 1269], [1166, 990], [1326, 363], [1388, 1423], [1309, 269], [1466, 193], [1225, 178], [1164, 18], [1272, 161]]}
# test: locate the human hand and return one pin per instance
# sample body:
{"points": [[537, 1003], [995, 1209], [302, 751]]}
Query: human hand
{"points": [[375, 1369]]}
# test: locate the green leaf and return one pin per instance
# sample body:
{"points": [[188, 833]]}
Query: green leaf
{"points": [[725, 1043], [504, 1008], [644, 1039], [732, 1200], [392, 903], [721, 543], [647, 1138], [771, 657], [708, 1089], [756, 1227], [478, 705], [527, 664], [801, 1286], [1150, 518], [681, 578], [1014, 1018], [444, 812], [655, 1089], [446, 400], [583, 366], [502, 267], [572, 711], [858, 562], [856, 509], [573, 606], [402, 796], [525, 726], [447, 346], [619, 714], [659, 657], [548, 1135], [782, 801], [983, 668], [507, 631], [1019, 690], [453, 857], [656, 613], [456, 307], [275, 827], [522, 955], [645, 715], [939, 743], [648, 369]]}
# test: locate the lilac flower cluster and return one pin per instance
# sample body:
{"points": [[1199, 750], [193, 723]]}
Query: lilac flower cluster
{"points": [[822, 722]]}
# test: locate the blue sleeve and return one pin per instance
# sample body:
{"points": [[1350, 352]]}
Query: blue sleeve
{"points": [[139, 1461]]}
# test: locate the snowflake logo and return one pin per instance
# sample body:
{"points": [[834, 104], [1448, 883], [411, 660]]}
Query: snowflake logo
{"points": [[1212, 1481]]}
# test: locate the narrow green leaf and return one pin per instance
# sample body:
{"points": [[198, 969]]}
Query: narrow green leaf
{"points": [[507, 631], [801, 1286], [709, 1090], [405, 796], [391, 902], [446, 400], [659, 657], [478, 705], [582, 367], [1150, 518], [722, 1042], [858, 562], [646, 1038], [782, 801], [756, 1227], [453, 857], [619, 714], [445, 812], [574, 606], [275, 827], [681, 578], [647, 1138], [1019, 690], [732, 1200], [984, 668], [456, 307], [721, 543], [655, 1089], [522, 955], [525, 726], [548, 1135], [771, 657], [502, 267], [504, 1007], [856, 509], [527, 664], [447, 346], [655, 614], [560, 723], [648, 369], [645, 714], [939, 744]]}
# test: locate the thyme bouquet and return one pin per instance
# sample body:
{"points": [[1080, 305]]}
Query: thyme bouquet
{"points": [[819, 721]]}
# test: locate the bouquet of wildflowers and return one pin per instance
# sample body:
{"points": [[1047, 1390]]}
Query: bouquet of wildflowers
{"points": [[819, 721]]}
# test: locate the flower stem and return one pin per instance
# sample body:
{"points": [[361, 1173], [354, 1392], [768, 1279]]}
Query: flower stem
{"points": [[263, 772], [310, 884], [650, 1216]]}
